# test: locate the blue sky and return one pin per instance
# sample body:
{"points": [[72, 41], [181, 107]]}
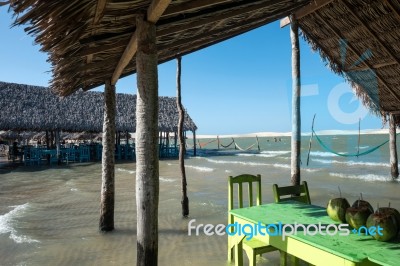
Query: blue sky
{"points": [[242, 85]]}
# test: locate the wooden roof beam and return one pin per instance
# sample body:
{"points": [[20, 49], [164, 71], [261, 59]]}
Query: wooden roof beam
{"points": [[154, 12], [100, 7], [351, 48], [371, 32], [308, 9]]}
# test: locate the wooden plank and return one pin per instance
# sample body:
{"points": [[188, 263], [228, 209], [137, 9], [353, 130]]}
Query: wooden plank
{"points": [[156, 9], [154, 12], [312, 7], [100, 7], [126, 57], [351, 48]]}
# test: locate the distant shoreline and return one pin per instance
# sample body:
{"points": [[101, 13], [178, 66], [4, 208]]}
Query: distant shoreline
{"points": [[288, 134]]}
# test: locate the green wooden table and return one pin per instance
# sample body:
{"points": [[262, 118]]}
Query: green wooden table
{"points": [[353, 249]]}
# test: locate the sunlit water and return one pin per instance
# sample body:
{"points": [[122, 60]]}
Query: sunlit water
{"points": [[49, 216]]}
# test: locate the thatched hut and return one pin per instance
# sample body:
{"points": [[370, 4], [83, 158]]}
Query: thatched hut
{"points": [[359, 40], [95, 42], [33, 108]]}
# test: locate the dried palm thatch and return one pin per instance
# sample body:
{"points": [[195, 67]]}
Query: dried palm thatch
{"points": [[360, 41], [86, 39], [32, 108]]}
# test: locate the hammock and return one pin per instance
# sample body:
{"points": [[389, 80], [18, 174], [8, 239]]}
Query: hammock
{"points": [[348, 154], [203, 144], [248, 148], [227, 145]]}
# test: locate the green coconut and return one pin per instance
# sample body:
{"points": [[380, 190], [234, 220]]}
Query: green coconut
{"points": [[336, 209], [388, 224], [363, 203], [391, 211], [357, 216]]}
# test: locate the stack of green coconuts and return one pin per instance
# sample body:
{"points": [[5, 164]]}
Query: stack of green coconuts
{"points": [[361, 214]]}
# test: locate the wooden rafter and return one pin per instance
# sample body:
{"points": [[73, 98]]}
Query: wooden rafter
{"points": [[154, 12], [166, 29], [351, 47], [101, 5], [193, 43], [371, 32], [308, 9]]}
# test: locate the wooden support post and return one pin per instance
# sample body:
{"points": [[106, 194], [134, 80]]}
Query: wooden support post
{"points": [[108, 160], [147, 161], [184, 199], [258, 143], [58, 145], [394, 165], [194, 143], [47, 140], [218, 141], [296, 87], [52, 139]]}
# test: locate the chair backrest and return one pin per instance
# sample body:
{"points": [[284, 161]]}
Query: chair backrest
{"points": [[297, 193], [240, 179]]}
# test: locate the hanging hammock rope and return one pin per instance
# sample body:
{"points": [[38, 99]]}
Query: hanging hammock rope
{"points": [[348, 154], [203, 144], [227, 145], [248, 148]]}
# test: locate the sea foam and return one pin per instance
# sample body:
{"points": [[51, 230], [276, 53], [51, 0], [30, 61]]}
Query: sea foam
{"points": [[351, 163], [125, 170], [365, 177], [200, 168], [8, 220]]}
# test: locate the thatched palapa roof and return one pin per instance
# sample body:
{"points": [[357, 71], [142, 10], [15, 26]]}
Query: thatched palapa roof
{"points": [[86, 39], [359, 40], [32, 108]]}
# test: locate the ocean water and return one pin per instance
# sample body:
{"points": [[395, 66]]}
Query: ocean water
{"points": [[49, 216]]}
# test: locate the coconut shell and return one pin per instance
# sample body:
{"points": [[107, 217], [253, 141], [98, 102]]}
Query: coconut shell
{"points": [[387, 222], [357, 217], [336, 209]]}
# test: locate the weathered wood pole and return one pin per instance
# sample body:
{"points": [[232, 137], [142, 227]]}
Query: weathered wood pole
{"points": [[47, 140], [296, 119], [194, 143], [394, 164], [185, 199], [147, 162], [108, 160], [58, 147]]}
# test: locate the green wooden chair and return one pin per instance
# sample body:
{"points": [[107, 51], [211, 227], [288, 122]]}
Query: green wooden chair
{"points": [[252, 247], [297, 193]]}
